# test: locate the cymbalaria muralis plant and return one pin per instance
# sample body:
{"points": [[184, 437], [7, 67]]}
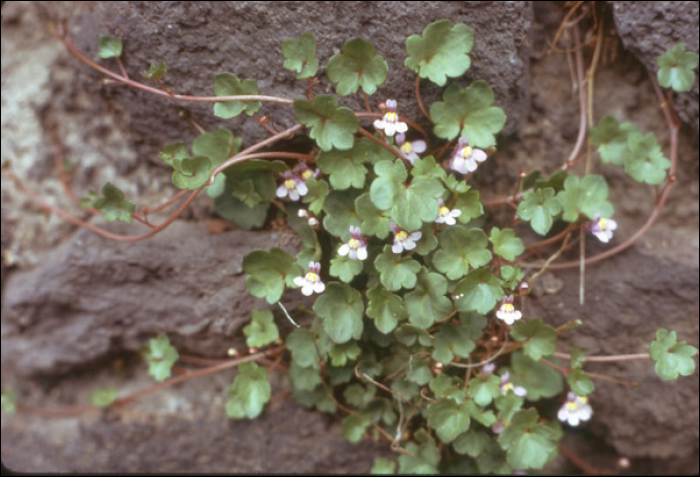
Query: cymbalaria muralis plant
{"points": [[416, 333]]}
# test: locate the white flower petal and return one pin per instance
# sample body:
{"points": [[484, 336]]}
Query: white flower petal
{"points": [[301, 188], [520, 391], [611, 224], [344, 250], [409, 244], [282, 191], [362, 253], [449, 220], [397, 247], [307, 289], [479, 155], [299, 281], [401, 127], [573, 419], [563, 413], [379, 124], [293, 194], [419, 146], [389, 129], [585, 412], [319, 287]]}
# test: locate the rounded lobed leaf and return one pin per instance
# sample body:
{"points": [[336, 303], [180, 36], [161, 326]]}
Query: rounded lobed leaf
{"points": [[441, 52], [300, 55], [331, 126], [356, 67]]}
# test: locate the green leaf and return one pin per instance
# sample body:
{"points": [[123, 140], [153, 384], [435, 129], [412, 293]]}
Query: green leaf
{"points": [[103, 397], [156, 72], [645, 161], [109, 47], [353, 427], [316, 196], [387, 309], [427, 167], [459, 249], [470, 205], [217, 146], [357, 66], [493, 460], [113, 205], [300, 55], [358, 395], [672, 358], [528, 444], [262, 330], [442, 51], [540, 380], [331, 126], [483, 389], [341, 354], [304, 379], [588, 196], [173, 154], [340, 213], [235, 202], [449, 419], [217, 187], [300, 343], [479, 291], [468, 113], [539, 207], [442, 384], [268, 272], [422, 458], [227, 84], [676, 68], [471, 443], [577, 358], [580, 383], [9, 400], [383, 466], [248, 393], [344, 167], [428, 303], [160, 356], [345, 268], [390, 176], [374, 222], [539, 338], [506, 243], [610, 137], [508, 405], [452, 340], [396, 271], [192, 173], [341, 310], [418, 371]]}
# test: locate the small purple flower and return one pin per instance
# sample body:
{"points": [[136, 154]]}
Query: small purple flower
{"points": [[466, 158], [390, 122], [292, 186], [506, 386], [602, 228], [575, 409], [447, 216], [356, 248], [402, 240], [303, 171], [507, 311], [311, 282], [410, 150]]}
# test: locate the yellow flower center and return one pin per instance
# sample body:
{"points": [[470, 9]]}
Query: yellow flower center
{"points": [[508, 387], [401, 236], [572, 406], [467, 151], [307, 174], [508, 307], [583, 400], [290, 184], [391, 117], [603, 224], [311, 277], [407, 148], [444, 211], [354, 243]]}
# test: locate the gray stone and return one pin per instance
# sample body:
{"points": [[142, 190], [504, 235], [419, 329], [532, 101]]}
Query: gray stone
{"points": [[650, 29]]}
